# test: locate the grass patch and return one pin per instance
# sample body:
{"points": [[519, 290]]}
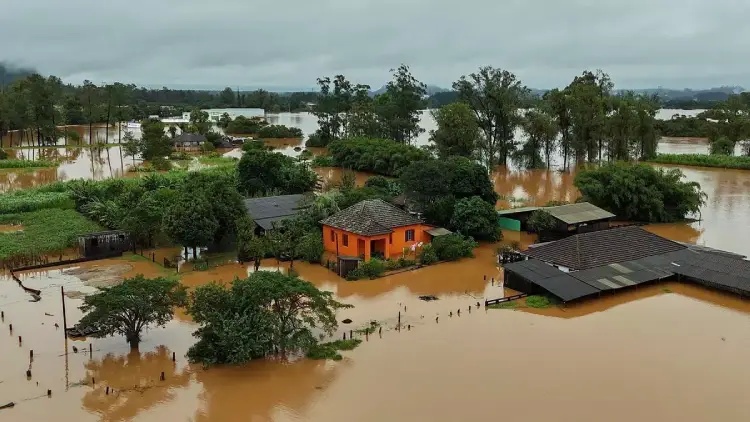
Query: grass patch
{"points": [[28, 201], [330, 350], [538, 302], [513, 304], [216, 161], [25, 164], [704, 160], [666, 290], [45, 231]]}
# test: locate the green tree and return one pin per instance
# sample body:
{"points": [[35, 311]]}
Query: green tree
{"points": [[224, 121], [540, 221], [262, 172], [266, 313], [128, 308], [249, 246], [457, 131], [227, 98], [199, 122], [558, 103], [190, 221], [722, 146], [496, 97], [590, 96], [73, 110], [476, 218], [311, 246], [131, 146], [640, 192], [541, 131], [399, 108], [144, 220], [154, 142], [220, 191]]}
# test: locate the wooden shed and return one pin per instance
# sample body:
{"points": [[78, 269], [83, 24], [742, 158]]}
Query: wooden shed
{"points": [[104, 244]]}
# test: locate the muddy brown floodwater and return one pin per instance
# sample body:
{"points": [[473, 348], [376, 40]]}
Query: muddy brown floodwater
{"points": [[664, 352]]}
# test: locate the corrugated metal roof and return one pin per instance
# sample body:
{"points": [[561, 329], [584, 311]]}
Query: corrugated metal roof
{"points": [[517, 210], [274, 206], [558, 283], [578, 213], [439, 231]]}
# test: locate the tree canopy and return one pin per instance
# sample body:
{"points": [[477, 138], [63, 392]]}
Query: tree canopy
{"points": [[264, 314], [641, 192], [132, 306]]}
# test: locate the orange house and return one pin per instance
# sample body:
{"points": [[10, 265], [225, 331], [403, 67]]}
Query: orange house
{"points": [[372, 228]]}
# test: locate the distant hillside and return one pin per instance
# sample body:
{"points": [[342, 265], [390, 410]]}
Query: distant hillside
{"points": [[9, 73]]}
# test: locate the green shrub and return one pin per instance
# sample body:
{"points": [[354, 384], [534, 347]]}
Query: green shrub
{"points": [[161, 164], [250, 146], [279, 131], [180, 156], [381, 156], [3, 154], [428, 256], [703, 160], [27, 201], [452, 247], [540, 221], [331, 349], [539, 302], [371, 269], [316, 141], [207, 147], [400, 263], [242, 125], [323, 161], [311, 247]]}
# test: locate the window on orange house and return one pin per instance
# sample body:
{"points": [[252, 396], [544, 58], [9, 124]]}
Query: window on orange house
{"points": [[390, 238], [345, 240], [410, 235], [333, 236]]}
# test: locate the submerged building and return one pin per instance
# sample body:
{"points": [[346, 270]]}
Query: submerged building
{"points": [[582, 217], [599, 262]]}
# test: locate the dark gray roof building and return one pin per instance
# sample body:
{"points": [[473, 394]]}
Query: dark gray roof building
{"points": [[371, 218], [189, 139], [271, 209], [618, 258], [578, 213]]}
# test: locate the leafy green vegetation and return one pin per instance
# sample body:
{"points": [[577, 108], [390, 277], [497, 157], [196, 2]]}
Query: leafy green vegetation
{"points": [[687, 126], [371, 269], [268, 313], [262, 172], [44, 231], [452, 247], [213, 160], [476, 218], [541, 220], [279, 131], [21, 164], [323, 161], [130, 307], [27, 201], [381, 156], [703, 160], [513, 304], [330, 350], [242, 125], [640, 192], [539, 302]]}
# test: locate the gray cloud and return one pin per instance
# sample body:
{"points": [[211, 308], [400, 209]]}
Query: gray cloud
{"points": [[640, 43]]}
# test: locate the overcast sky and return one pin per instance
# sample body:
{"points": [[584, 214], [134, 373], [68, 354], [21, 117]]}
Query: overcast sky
{"points": [[288, 43]]}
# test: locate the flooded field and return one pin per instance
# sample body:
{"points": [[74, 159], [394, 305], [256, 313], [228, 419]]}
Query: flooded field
{"points": [[663, 352]]}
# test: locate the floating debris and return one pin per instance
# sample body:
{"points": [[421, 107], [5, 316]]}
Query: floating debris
{"points": [[428, 298]]}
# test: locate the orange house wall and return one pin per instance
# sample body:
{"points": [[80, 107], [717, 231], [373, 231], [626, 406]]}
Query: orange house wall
{"points": [[394, 243]]}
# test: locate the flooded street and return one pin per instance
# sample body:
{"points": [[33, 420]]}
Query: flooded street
{"points": [[664, 352]]}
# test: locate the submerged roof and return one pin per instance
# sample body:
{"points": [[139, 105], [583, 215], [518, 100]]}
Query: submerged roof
{"points": [[371, 218], [511, 211], [189, 137], [557, 282], [603, 247], [578, 213], [270, 209]]}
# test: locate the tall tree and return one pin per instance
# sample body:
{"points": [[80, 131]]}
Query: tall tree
{"points": [[190, 222], [200, 122], [457, 131], [399, 108], [590, 104], [541, 131], [154, 142], [496, 97], [130, 307]]}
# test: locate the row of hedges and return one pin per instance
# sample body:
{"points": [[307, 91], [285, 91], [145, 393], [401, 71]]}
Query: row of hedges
{"points": [[703, 160], [381, 156], [22, 164]]}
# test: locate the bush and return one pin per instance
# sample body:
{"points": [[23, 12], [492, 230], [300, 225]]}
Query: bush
{"points": [[640, 192], [207, 147], [331, 349], [371, 269], [262, 172], [316, 141], [381, 156], [722, 146], [539, 302], [311, 247], [161, 164], [28, 201], [3, 154], [323, 161], [703, 160], [252, 146], [180, 156], [400, 263], [428, 256], [242, 125], [476, 218], [540, 221], [279, 131], [452, 247]]}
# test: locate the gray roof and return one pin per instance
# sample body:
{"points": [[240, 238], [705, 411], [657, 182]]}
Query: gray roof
{"points": [[270, 209], [185, 138], [438, 231], [578, 213], [511, 211], [371, 218], [603, 247], [557, 282]]}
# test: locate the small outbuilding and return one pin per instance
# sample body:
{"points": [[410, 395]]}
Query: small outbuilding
{"points": [[582, 217], [274, 209], [189, 140], [105, 244]]}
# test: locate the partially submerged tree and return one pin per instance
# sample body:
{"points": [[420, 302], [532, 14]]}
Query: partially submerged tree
{"points": [[540, 221], [266, 313], [476, 218], [457, 131], [132, 306], [190, 222]]}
